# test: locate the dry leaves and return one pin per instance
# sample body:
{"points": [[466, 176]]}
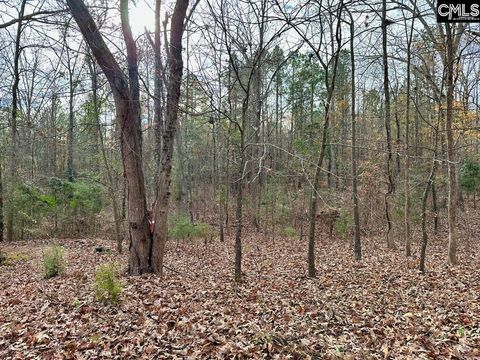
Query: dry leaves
{"points": [[378, 308]]}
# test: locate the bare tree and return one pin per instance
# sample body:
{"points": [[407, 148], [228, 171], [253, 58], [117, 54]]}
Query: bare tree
{"points": [[144, 255]]}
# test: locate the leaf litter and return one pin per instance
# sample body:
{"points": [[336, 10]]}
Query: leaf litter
{"points": [[378, 308]]}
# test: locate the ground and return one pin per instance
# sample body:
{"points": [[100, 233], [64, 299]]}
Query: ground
{"points": [[380, 307]]}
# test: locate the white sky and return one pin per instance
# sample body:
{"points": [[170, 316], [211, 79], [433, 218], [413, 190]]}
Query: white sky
{"points": [[142, 15]]}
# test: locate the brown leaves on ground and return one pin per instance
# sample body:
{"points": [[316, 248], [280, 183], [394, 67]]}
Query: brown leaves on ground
{"points": [[380, 307]]}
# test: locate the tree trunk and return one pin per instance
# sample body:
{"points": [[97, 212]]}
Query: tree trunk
{"points": [[407, 215], [53, 127], [356, 215], [452, 188], [318, 170], [434, 207], [128, 119], [71, 125], [158, 87], [239, 196], [389, 170], [13, 124], [1, 202], [424, 215], [428, 187], [175, 69]]}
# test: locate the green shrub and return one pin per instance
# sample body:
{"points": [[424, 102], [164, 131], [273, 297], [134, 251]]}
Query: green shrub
{"points": [[107, 287], [53, 261], [343, 223], [415, 207], [470, 175], [289, 232], [12, 258], [180, 228], [203, 230]]}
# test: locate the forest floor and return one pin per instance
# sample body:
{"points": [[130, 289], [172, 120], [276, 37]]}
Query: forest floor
{"points": [[380, 307]]}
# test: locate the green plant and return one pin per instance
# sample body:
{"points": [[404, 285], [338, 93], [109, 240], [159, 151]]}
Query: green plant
{"points": [[53, 261], [107, 286], [76, 303], [12, 258], [343, 223], [289, 232], [470, 175], [180, 227]]}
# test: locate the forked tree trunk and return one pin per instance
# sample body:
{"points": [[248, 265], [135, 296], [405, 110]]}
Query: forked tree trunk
{"points": [[128, 120], [175, 69], [144, 256]]}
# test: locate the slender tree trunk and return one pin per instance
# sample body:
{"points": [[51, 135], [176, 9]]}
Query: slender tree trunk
{"points": [[452, 188], [53, 127], [407, 215], [434, 207], [13, 124], [389, 170], [428, 187], [356, 215], [416, 120], [239, 196], [159, 95], [1, 202], [71, 125], [318, 170]]}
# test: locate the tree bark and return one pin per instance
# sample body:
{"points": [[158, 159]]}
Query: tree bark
{"points": [[175, 69], [407, 215], [13, 124], [71, 124], [386, 88], [452, 188], [428, 187], [323, 148], [1, 201], [128, 119], [158, 87], [356, 215], [239, 196]]}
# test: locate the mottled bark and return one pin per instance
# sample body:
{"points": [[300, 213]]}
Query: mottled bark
{"points": [[175, 72]]}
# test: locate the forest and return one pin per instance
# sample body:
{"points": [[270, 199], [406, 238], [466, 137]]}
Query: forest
{"points": [[239, 179]]}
